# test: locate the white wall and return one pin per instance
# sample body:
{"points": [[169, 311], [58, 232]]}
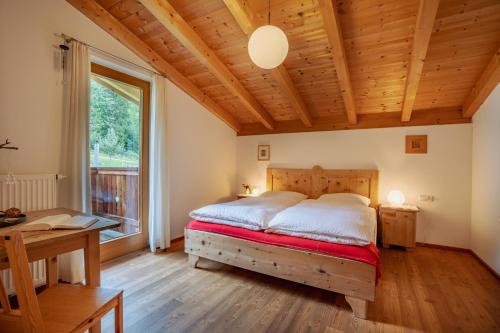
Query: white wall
{"points": [[202, 155], [31, 106], [485, 221], [444, 172]]}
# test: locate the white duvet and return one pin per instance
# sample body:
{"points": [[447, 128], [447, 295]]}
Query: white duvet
{"points": [[352, 224], [252, 213]]}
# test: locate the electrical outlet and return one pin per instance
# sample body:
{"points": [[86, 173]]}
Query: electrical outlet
{"points": [[426, 197]]}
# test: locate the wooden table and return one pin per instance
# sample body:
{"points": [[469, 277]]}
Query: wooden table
{"points": [[48, 244]]}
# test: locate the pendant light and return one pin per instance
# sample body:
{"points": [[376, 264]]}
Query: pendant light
{"points": [[268, 45]]}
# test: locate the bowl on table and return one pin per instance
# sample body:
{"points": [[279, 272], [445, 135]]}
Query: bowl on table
{"points": [[9, 221]]}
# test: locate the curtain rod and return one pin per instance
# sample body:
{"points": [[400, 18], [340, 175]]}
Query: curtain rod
{"points": [[69, 39]]}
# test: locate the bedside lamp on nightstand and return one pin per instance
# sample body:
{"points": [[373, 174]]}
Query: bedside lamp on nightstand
{"points": [[398, 221], [396, 198], [249, 192], [246, 195]]}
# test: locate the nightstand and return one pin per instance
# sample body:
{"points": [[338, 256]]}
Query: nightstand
{"points": [[398, 225], [245, 195]]}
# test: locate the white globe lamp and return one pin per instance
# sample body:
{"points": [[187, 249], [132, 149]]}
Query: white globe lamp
{"points": [[396, 198], [268, 46]]}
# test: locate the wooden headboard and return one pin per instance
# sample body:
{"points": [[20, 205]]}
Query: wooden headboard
{"points": [[317, 181]]}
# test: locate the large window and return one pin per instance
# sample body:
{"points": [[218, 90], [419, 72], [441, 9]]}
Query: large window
{"points": [[119, 134]]}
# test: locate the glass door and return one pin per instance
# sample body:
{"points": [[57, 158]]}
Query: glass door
{"points": [[119, 136]]}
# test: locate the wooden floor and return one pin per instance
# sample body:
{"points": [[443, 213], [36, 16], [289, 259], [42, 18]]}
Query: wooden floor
{"points": [[426, 289]]}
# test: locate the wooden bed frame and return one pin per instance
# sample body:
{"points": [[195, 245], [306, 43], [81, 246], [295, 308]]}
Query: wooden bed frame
{"points": [[354, 279]]}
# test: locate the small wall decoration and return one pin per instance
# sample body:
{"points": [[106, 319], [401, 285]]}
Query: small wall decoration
{"points": [[7, 145], [11, 178], [263, 152], [416, 144]]}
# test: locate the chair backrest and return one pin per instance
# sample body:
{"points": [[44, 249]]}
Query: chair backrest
{"points": [[28, 316]]}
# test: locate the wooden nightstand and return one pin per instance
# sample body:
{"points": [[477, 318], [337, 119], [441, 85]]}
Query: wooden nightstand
{"points": [[398, 225], [245, 195]]}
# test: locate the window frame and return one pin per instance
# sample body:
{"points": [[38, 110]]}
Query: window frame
{"points": [[129, 243]]}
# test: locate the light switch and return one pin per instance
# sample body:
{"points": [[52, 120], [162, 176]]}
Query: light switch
{"points": [[426, 197]]}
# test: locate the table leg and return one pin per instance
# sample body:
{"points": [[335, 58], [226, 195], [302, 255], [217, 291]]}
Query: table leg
{"points": [[51, 271], [119, 315], [93, 267]]}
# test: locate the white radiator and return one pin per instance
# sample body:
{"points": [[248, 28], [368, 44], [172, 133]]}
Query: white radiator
{"points": [[28, 193]]}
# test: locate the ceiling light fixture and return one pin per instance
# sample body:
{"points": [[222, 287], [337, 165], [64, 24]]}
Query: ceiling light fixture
{"points": [[268, 45]]}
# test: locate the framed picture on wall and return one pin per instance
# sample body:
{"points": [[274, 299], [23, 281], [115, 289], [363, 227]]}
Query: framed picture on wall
{"points": [[416, 144], [263, 152]]}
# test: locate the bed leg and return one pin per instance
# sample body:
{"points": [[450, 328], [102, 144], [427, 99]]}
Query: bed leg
{"points": [[193, 260], [359, 306]]}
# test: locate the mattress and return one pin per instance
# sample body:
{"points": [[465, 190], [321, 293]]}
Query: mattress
{"points": [[368, 253]]}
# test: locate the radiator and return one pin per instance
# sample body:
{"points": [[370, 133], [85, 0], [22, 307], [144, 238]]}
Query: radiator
{"points": [[28, 193]]}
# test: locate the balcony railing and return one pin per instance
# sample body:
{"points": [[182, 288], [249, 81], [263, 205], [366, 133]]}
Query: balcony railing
{"points": [[115, 196]]}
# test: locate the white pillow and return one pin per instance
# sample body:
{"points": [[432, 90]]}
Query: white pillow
{"points": [[346, 198], [285, 194]]}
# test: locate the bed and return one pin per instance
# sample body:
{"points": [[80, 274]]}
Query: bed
{"points": [[353, 274]]}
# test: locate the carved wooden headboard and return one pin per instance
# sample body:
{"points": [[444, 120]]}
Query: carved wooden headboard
{"points": [[317, 181]]}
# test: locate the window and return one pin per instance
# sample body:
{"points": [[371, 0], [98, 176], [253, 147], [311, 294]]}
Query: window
{"points": [[115, 123], [119, 135]]}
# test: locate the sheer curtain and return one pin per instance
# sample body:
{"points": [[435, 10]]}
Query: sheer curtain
{"points": [[75, 189], [159, 222]]}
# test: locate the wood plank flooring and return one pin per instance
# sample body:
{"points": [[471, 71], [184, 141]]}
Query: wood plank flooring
{"points": [[421, 290]]}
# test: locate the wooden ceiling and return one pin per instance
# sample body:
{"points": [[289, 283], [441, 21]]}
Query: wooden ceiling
{"points": [[351, 64]]}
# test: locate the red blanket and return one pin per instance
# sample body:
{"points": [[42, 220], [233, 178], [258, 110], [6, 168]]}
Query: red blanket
{"points": [[368, 253]]}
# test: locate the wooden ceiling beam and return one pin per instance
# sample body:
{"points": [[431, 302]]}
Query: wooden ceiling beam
{"points": [[336, 41], [115, 28], [483, 87], [243, 14], [426, 16], [372, 120], [245, 18], [166, 14]]}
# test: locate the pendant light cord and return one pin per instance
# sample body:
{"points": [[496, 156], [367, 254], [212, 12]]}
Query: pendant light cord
{"points": [[269, 12]]}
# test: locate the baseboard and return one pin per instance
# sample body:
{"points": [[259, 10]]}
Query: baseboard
{"points": [[443, 247], [461, 249], [178, 239], [485, 265], [175, 244]]}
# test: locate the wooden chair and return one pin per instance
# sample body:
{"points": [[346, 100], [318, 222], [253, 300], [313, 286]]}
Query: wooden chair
{"points": [[60, 308]]}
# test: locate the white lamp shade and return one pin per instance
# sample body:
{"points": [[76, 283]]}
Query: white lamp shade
{"points": [[396, 198], [268, 46]]}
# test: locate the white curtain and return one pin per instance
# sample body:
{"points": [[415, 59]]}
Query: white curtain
{"points": [[159, 222], [75, 191]]}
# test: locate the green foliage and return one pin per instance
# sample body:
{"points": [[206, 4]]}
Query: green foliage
{"points": [[114, 123], [115, 161]]}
